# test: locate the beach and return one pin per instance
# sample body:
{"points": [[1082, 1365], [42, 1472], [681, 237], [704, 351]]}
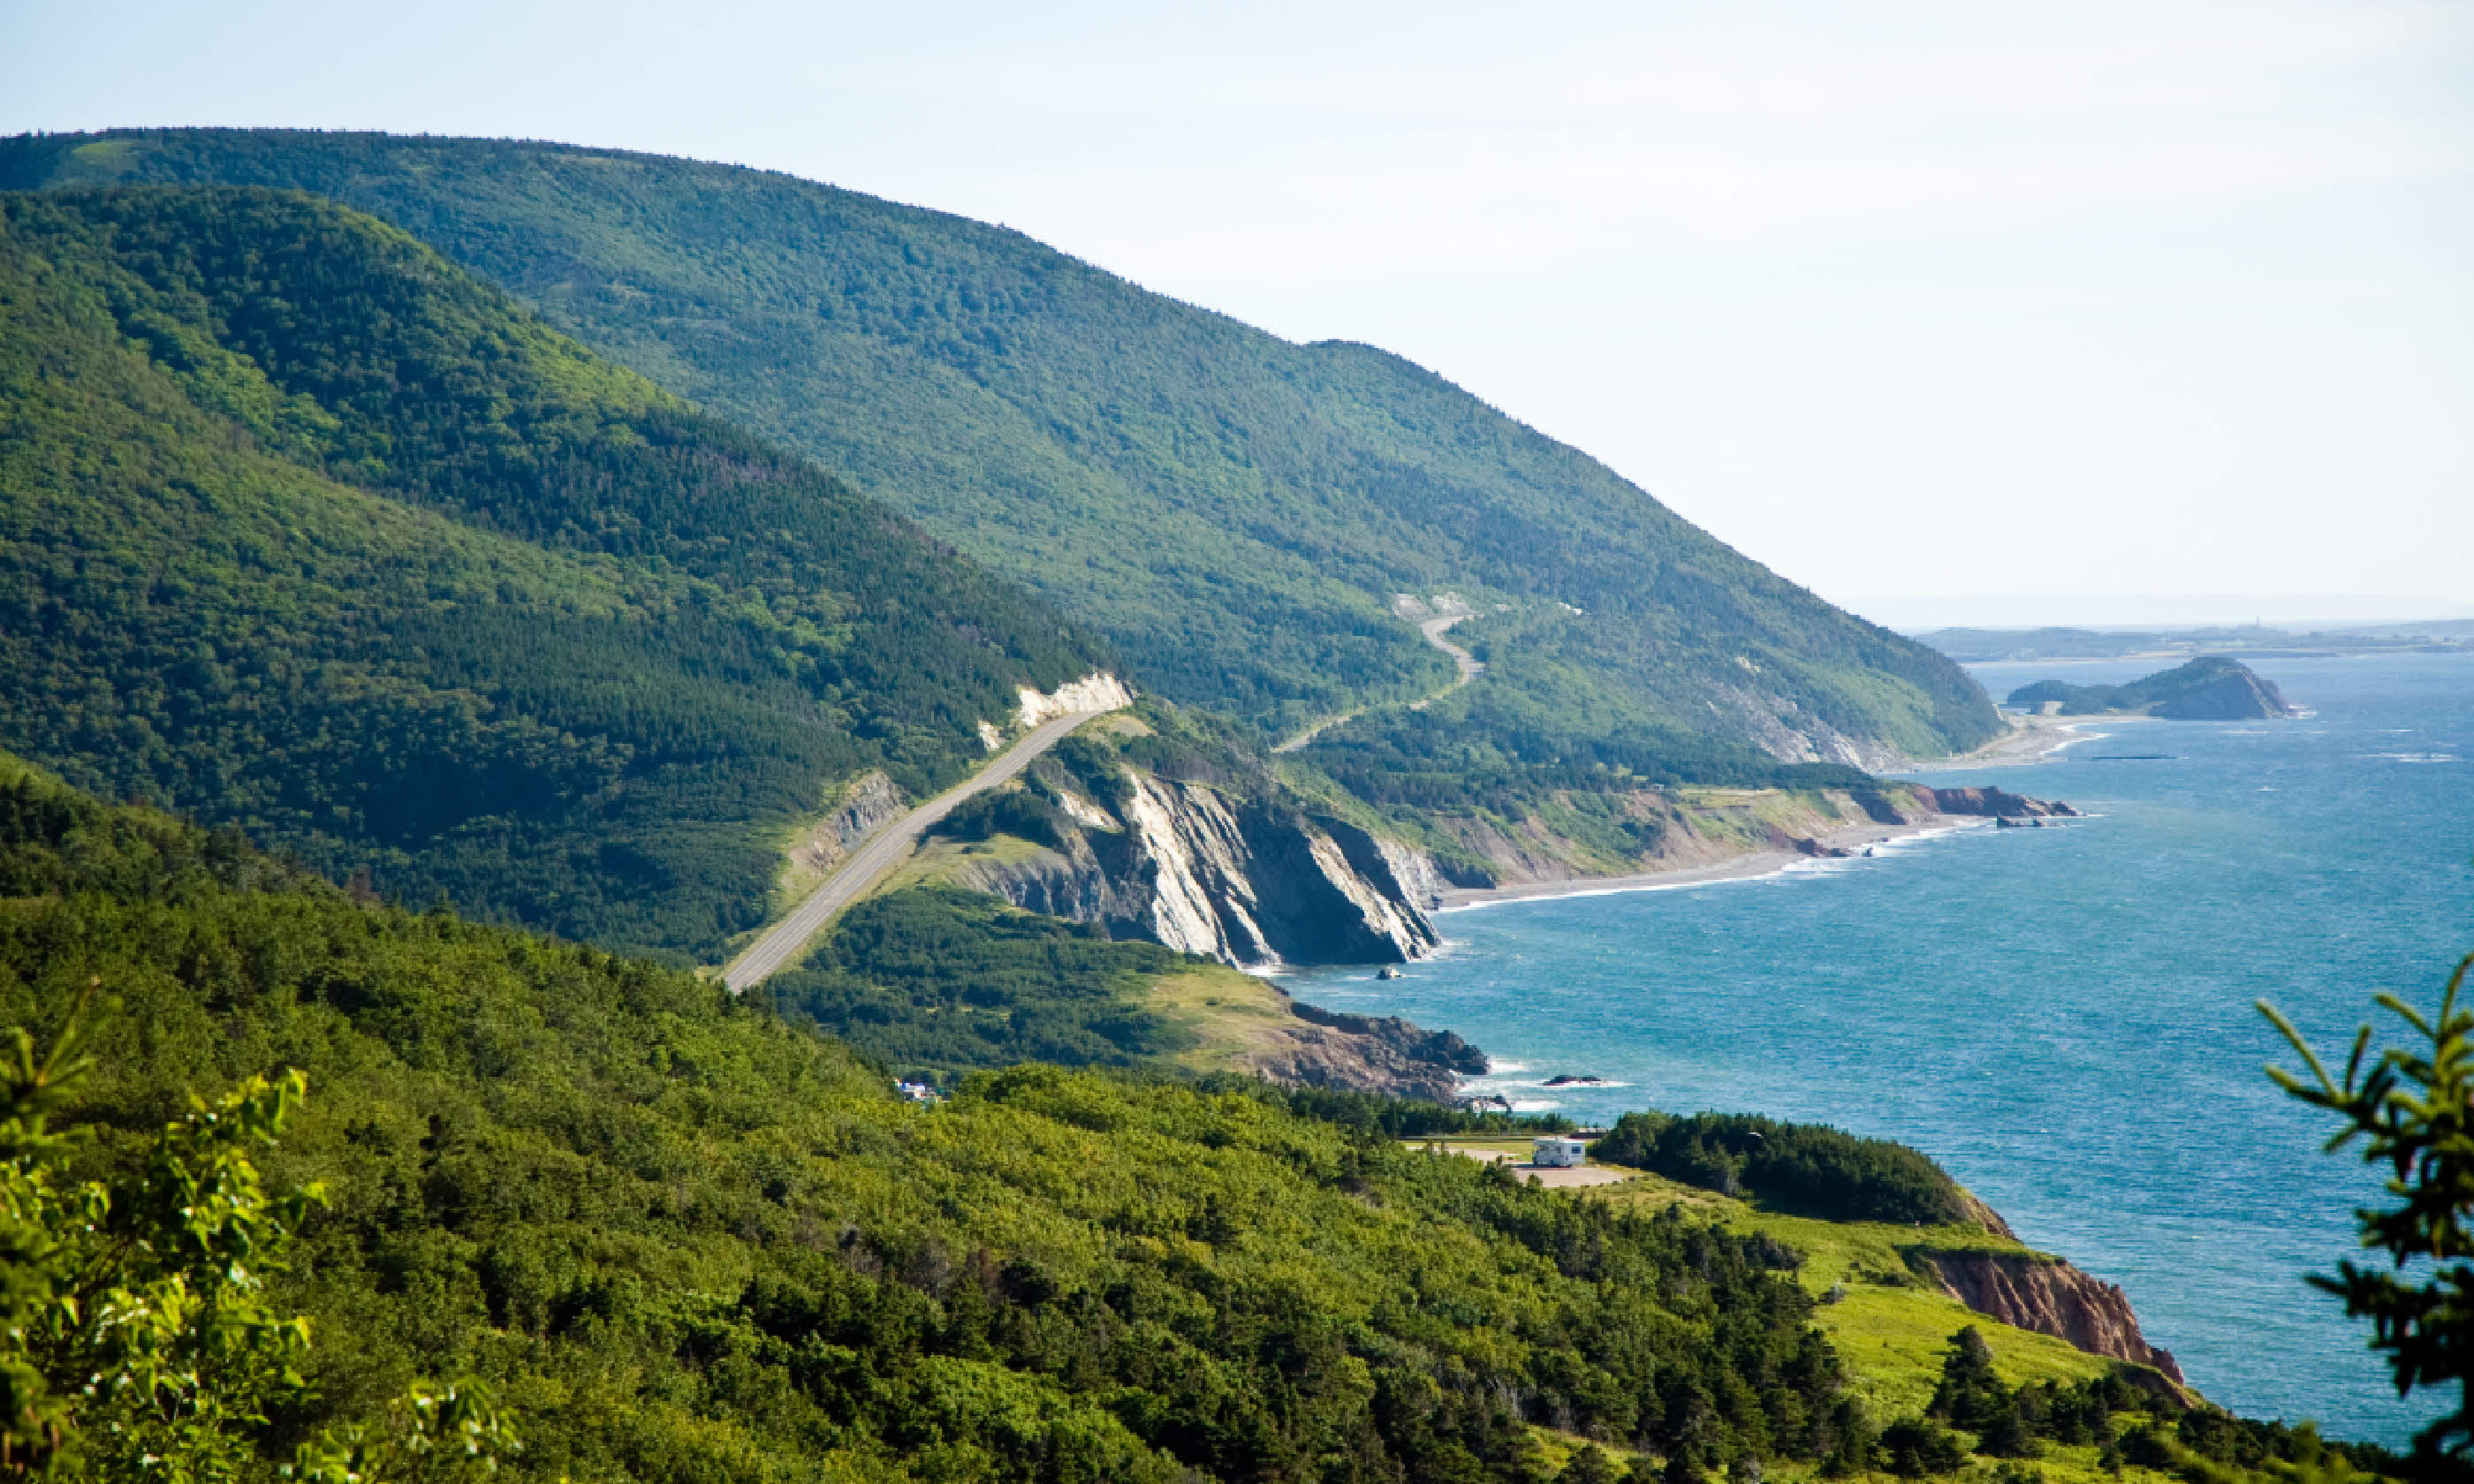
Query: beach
{"points": [[1754, 863], [2028, 740]]}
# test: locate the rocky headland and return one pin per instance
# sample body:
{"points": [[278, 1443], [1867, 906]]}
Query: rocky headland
{"points": [[2212, 687], [1385, 1054], [2031, 1290]]}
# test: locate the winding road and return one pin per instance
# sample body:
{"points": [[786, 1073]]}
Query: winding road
{"points": [[883, 851], [1471, 668]]}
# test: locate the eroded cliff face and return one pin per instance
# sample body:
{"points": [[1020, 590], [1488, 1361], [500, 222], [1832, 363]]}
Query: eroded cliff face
{"points": [[2240, 696], [1096, 691], [869, 802], [2032, 1291], [1996, 803], [1249, 885], [1787, 732]]}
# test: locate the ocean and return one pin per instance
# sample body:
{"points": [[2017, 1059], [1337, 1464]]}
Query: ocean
{"points": [[2061, 1017]]}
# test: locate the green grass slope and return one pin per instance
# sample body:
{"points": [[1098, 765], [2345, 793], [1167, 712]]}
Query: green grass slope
{"points": [[1233, 510], [685, 1240], [305, 529]]}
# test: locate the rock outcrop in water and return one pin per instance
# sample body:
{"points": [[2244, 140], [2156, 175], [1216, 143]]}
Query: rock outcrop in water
{"points": [[2032, 1291], [2210, 688], [1997, 804]]}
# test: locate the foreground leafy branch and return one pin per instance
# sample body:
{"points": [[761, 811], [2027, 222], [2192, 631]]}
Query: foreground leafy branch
{"points": [[136, 1339]]}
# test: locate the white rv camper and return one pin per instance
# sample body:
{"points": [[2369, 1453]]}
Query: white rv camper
{"points": [[1558, 1152]]}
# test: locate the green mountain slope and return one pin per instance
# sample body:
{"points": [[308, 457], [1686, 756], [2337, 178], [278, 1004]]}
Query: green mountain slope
{"points": [[686, 1241], [302, 528], [1235, 510]]}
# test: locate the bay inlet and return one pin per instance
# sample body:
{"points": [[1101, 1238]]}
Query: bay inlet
{"points": [[2061, 1017]]}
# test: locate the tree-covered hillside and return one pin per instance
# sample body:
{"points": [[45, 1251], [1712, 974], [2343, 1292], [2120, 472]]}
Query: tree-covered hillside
{"points": [[680, 1239], [305, 529], [1233, 510]]}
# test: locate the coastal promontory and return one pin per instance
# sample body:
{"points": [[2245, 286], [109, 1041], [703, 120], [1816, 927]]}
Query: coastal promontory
{"points": [[2210, 688]]}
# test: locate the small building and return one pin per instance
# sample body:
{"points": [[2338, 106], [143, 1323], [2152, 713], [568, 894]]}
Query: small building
{"points": [[1558, 1152]]}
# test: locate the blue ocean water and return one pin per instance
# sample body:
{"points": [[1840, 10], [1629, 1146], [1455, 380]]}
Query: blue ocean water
{"points": [[2061, 1017]]}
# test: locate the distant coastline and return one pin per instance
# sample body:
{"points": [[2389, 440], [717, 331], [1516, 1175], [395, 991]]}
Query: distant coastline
{"points": [[1741, 868], [2030, 739]]}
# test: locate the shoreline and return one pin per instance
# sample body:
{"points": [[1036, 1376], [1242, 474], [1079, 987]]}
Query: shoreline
{"points": [[1750, 865], [2030, 739]]}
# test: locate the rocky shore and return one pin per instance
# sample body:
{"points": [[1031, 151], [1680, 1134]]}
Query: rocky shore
{"points": [[1866, 819]]}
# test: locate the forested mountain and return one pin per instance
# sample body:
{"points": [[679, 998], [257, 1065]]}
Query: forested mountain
{"points": [[1235, 512], [304, 528], [684, 1241], [652, 1232]]}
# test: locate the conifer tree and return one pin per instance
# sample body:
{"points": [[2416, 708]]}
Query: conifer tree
{"points": [[2410, 1107]]}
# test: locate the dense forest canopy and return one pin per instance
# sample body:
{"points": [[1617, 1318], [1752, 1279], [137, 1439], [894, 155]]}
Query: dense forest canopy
{"points": [[648, 1231], [1809, 1168], [305, 529], [1233, 510], [676, 1235]]}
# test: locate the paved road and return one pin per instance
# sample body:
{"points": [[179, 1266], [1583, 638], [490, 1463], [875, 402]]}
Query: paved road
{"points": [[1469, 665], [885, 849]]}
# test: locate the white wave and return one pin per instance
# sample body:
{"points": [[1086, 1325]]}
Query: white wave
{"points": [[1534, 1105], [2414, 757]]}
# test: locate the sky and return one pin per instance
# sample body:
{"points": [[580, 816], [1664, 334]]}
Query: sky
{"points": [[1972, 312]]}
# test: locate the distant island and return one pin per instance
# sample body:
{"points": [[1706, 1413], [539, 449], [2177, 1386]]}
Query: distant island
{"points": [[2210, 688]]}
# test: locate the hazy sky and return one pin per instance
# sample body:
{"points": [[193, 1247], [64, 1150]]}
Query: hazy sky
{"points": [[1947, 311]]}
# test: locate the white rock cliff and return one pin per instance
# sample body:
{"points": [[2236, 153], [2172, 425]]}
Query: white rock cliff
{"points": [[1235, 881]]}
